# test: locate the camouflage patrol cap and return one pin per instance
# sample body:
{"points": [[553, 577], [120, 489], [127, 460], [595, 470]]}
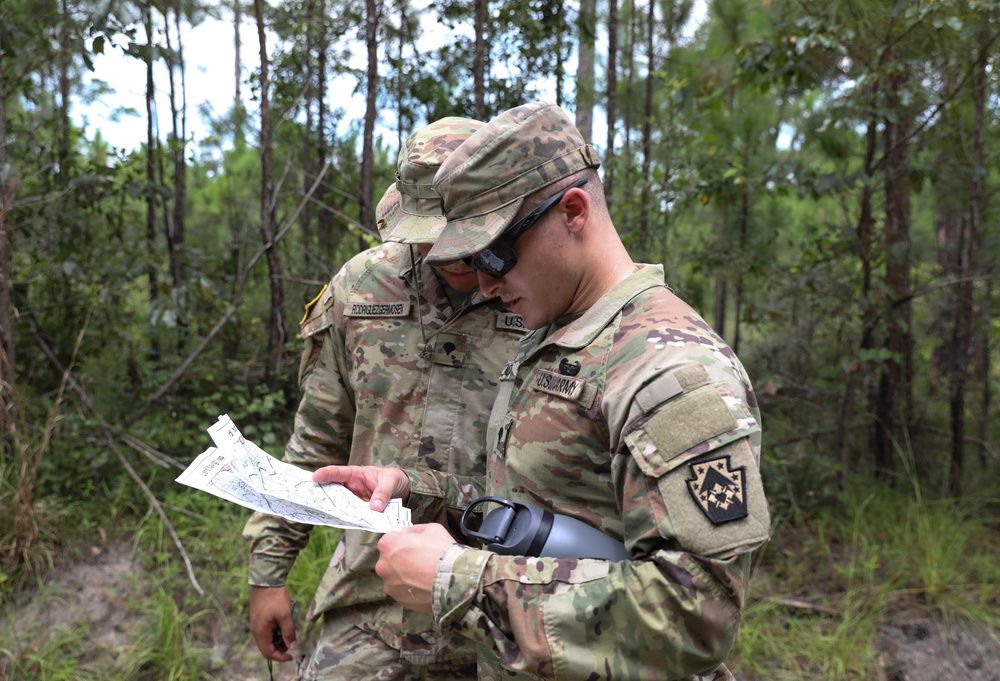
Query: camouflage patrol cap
{"points": [[410, 211], [484, 183]]}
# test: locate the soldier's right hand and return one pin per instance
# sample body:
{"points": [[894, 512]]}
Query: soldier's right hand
{"points": [[270, 608], [377, 484]]}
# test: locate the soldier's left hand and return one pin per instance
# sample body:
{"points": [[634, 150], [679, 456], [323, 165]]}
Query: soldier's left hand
{"points": [[408, 562]]}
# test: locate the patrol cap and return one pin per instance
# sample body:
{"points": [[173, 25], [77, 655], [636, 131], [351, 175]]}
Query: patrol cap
{"points": [[410, 211], [484, 183]]}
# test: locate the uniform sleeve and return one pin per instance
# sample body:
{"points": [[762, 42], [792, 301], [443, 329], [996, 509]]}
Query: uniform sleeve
{"points": [[437, 497], [693, 508], [321, 436]]}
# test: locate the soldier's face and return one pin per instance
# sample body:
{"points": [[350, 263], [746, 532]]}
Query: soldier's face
{"points": [[544, 283], [457, 275]]}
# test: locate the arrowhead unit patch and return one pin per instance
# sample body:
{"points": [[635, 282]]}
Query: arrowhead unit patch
{"points": [[718, 489]]}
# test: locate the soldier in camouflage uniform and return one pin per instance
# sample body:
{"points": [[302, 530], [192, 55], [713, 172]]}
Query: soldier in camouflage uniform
{"points": [[400, 368], [622, 409]]}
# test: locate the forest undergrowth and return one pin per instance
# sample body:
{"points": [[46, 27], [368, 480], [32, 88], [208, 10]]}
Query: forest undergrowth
{"points": [[889, 587]]}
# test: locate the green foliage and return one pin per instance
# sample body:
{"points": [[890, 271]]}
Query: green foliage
{"points": [[827, 583]]}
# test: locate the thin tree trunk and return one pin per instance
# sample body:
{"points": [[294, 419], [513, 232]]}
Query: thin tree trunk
{"points": [[609, 152], [64, 97], [400, 43], [865, 235], [308, 136], [8, 355], [479, 61], [627, 166], [647, 134], [276, 326], [151, 272], [239, 115], [367, 208], [324, 225], [976, 209], [894, 405], [744, 236], [560, 69], [180, 152], [587, 31]]}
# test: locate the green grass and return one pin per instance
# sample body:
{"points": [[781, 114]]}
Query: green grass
{"points": [[823, 586], [821, 589]]}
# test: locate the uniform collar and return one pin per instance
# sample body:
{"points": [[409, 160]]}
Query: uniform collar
{"points": [[582, 331]]}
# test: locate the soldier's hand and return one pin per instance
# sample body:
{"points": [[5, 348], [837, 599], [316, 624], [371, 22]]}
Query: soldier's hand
{"points": [[270, 607], [408, 561], [376, 484]]}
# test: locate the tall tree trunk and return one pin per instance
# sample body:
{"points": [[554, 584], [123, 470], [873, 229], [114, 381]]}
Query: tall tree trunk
{"points": [[647, 133], [894, 405], [612, 105], [239, 114], [864, 240], [629, 155], [324, 226], [65, 61], [560, 69], [744, 237], [976, 209], [7, 350], [399, 78], [367, 154], [152, 276], [479, 61], [587, 31], [276, 325], [308, 136], [177, 149]]}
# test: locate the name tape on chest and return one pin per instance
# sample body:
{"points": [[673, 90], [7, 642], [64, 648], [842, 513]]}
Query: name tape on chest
{"points": [[567, 387], [389, 309], [509, 321]]}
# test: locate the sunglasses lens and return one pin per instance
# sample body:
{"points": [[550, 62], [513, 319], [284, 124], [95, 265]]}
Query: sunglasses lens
{"points": [[495, 261]]}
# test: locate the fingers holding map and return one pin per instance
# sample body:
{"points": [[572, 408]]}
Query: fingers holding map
{"points": [[239, 471]]}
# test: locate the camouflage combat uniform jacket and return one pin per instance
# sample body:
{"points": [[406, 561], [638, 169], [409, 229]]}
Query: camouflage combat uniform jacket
{"points": [[636, 418], [381, 386]]}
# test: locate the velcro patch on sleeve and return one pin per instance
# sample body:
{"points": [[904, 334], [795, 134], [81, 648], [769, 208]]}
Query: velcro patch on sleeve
{"points": [[681, 424]]}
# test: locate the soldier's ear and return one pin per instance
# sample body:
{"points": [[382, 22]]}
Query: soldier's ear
{"points": [[575, 206]]}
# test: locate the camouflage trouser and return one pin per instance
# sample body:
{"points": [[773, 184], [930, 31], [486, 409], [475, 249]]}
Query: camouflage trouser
{"points": [[343, 651]]}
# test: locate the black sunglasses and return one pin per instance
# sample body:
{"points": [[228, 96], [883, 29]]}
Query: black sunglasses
{"points": [[498, 258]]}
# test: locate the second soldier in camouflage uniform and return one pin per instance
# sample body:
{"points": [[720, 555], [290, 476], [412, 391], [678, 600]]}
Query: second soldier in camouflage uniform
{"points": [[622, 409], [400, 368]]}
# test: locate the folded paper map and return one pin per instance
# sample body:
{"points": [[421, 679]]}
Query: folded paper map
{"points": [[237, 470]]}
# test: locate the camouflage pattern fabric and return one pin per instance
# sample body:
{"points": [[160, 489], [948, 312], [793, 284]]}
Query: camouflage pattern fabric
{"points": [[410, 211], [345, 651], [485, 181], [394, 373], [636, 418]]}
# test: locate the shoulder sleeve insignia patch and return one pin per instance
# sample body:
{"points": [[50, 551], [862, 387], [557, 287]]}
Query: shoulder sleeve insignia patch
{"points": [[718, 489], [309, 305]]}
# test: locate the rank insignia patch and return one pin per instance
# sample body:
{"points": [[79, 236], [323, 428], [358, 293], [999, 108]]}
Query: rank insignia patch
{"points": [[719, 490]]}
